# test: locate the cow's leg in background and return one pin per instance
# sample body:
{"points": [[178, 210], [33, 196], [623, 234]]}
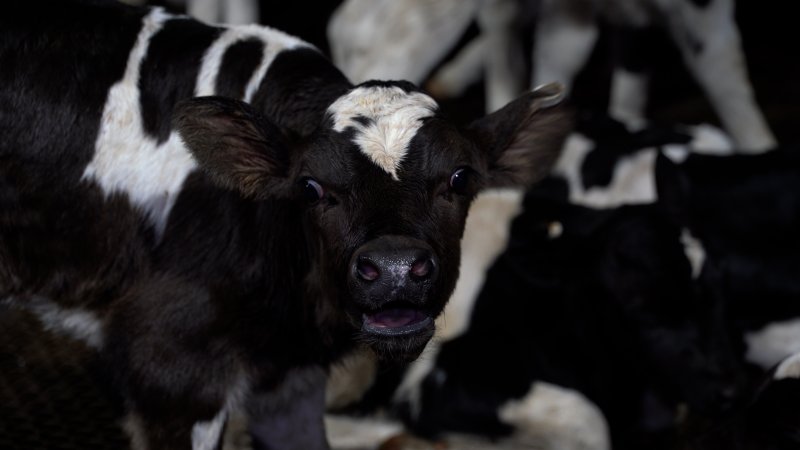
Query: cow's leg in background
{"points": [[456, 75], [709, 41], [496, 54], [565, 36], [503, 64], [630, 79]]}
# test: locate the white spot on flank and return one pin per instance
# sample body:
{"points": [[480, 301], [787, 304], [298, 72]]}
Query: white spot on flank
{"points": [[771, 344], [394, 117], [551, 416], [126, 159], [76, 323]]}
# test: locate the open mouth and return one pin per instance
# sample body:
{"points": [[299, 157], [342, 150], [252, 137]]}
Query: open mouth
{"points": [[396, 321]]}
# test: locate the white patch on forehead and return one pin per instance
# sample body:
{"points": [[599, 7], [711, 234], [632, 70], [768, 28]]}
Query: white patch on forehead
{"points": [[394, 117]]}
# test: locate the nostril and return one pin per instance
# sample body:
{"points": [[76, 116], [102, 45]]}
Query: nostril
{"points": [[366, 270], [422, 268]]}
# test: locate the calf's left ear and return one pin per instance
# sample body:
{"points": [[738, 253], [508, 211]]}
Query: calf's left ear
{"points": [[237, 147], [523, 139]]}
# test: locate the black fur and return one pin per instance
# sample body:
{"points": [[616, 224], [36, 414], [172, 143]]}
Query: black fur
{"points": [[297, 103], [50, 52], [169, 71], [745, 210], [241, 60], [701, 3]]}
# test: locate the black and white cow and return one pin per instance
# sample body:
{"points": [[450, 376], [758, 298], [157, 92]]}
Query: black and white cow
{"points": [[224, 247]]}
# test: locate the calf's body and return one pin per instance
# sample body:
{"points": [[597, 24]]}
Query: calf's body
{"points": [[218, 247]]}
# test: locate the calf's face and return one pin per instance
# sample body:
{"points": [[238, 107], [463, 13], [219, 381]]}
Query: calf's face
{"points": [[384, 184]]}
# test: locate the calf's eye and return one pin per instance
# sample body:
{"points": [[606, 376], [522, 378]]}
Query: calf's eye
{"points": [[459, 180], [312, 191]]}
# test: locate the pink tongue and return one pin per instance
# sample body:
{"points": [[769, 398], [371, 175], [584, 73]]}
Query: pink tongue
{"points": [[394, 318]]}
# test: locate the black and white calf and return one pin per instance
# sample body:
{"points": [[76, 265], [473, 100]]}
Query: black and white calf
{"points": [[216, 248]]}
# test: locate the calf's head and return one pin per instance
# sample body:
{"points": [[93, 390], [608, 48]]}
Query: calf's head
{"points": [[384, 184]]}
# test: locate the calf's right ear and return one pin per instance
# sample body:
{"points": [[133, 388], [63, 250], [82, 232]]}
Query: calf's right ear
{"points": [[235, 145], [523, 139]]}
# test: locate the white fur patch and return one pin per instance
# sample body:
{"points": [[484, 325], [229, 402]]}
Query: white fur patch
{"points": [[551, 416], [350, 378], [76, 323], [135, 430], [395, 117], [126, 160], [351, 433], [694, 251], [788, 368], [274, 42], [206, 435], [771, 344]]}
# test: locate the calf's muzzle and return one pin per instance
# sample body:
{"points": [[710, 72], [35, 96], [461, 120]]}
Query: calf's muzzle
{"points": [[390, 279]]}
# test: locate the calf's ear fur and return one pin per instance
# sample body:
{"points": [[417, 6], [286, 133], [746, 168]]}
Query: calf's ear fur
{"points": [[235, 145], [523, 139]]}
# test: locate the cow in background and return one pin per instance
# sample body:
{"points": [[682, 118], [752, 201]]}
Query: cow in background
{"points": [[370, 37], [598, 301], [742, 212]]}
